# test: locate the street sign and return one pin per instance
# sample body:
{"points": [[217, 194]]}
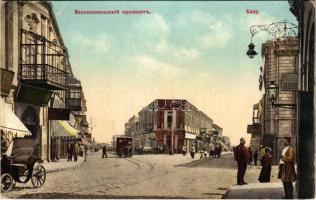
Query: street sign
{"points": [[254, 128], [289, 82], [58, 114]]}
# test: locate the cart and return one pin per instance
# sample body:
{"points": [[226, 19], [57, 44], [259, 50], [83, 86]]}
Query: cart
{"points": [[22, 164]]}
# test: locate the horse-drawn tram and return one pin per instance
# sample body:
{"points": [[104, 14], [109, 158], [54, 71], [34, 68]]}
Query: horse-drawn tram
{"points": [[20, 164], [124, 145]]}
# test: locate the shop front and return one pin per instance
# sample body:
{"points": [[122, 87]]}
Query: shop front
{"points": [[62, 134], [189, 140]]}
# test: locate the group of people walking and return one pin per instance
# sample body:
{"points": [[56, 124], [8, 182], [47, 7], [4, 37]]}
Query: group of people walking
{"points": [[74, 149], [213, 152], [286, 164]]}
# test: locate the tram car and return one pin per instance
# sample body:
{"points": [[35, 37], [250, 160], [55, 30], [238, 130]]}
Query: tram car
{"points": [[124, 146]]}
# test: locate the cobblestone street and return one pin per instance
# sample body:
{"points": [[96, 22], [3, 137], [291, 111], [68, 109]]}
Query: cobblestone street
{"points": [[143, 176]]}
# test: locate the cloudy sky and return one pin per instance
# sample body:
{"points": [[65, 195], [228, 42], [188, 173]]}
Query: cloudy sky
{"points": [[186, 50]]}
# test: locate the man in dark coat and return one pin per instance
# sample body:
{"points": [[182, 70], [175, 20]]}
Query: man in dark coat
{"points": [[255, 157], [242, 158], [250, 155], [104, 152]]}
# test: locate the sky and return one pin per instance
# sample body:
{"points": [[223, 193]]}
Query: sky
{"points": [[185, 50]]}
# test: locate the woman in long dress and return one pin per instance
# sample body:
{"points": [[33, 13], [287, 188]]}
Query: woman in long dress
{"points": [[266, 161]]}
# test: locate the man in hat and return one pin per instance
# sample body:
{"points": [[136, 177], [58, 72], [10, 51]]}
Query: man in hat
{"points": [[288, 174], [242, 158]]}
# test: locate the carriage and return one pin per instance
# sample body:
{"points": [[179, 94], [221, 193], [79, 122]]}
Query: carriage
{"points": [[22, 164]]}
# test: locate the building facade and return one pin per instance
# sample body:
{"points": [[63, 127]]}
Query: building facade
{"points": [[171, 123], [280, 66], [36, 75], [271, 123]]}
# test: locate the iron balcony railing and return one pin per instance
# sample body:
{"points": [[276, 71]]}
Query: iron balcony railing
{"points": [[43, 72], [43, 62]]}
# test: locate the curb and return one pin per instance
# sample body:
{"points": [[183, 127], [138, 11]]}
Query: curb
{"points": [[65, 168]]}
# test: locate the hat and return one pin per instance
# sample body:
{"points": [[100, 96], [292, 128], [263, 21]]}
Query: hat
{"points": [[268, 148]]}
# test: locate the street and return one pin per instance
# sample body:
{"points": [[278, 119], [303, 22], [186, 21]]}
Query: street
{"points": [[142, 176]]}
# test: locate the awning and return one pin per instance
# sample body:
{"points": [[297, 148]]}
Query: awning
{"points": [[10, 122], [62, 128]]}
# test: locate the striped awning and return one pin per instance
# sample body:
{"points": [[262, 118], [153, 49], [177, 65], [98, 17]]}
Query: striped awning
{"points": [[62, 128], [10, 122]]}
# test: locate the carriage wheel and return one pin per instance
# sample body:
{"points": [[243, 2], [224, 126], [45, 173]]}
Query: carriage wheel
{"points": [[6, 182], [38, 176]]}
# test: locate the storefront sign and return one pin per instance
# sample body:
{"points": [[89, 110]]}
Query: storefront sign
{"points": [[190, 136], [58, 114], [289, 82], [6, 81], [288, 52], [254, 128]]}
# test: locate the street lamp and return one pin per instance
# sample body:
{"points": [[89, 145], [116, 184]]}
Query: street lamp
{"points": [[273, 91], [279, 30], [251, 50]]}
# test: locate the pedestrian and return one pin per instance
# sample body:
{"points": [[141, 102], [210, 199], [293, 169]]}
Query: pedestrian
{"points": [[184, 150], [202, 155], [262, 151], [69, 151], [219, 151], [287, 171], [85, 152], [104, 152], [216, 151], [242, 158], [255, 157], [130, 151], [266, 161], [161, 149], [211, 152], [126, 151], [81, 150], [250, 155], [76, 151], [192, 151]]}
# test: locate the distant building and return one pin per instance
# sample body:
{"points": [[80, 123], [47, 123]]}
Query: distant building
{"points": [[169, 122]]}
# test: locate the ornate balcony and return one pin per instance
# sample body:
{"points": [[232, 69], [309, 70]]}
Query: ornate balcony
{"points": [[43, 62]]}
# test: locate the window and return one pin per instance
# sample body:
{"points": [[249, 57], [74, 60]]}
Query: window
{"points": [[30, 53], [169, 119]]}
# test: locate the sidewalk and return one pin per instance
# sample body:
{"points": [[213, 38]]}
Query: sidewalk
{"points": [[62, 164], [273, 190]]}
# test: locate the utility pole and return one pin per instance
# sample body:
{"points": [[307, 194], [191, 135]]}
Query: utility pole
{"points": [[91, 129], [173, 127]]}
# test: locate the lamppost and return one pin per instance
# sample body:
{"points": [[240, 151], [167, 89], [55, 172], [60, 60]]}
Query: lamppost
{"points": [[279, 30], [273, 91]]}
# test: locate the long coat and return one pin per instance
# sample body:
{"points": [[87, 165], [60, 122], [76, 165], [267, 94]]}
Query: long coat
{"points": [[288, 172], [242, 155]]}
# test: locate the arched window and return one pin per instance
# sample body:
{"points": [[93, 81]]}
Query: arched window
{"points": [[29, 116]]}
